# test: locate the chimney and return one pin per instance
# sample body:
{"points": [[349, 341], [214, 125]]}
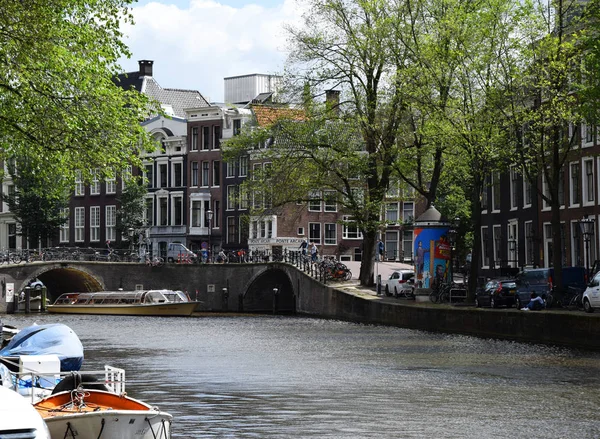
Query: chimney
{"points": [[332, 102], [145, 67]]}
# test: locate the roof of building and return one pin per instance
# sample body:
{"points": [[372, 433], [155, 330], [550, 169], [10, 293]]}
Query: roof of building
{"points": [[267, 115], [174, 101]]}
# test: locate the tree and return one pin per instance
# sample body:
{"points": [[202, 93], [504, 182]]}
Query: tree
{"points": [[58, 99], [132, 205], [37, 201]]}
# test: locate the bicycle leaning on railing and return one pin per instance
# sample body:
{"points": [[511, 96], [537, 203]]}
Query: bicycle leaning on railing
{"points": [[440, 293], [572, 298]]}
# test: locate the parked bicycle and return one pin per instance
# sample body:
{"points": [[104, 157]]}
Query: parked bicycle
{"points": [[155, 261], [441, 292], [570, 299]]}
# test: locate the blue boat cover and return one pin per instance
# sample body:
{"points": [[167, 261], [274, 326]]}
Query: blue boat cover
{"points": [[51, 339]]}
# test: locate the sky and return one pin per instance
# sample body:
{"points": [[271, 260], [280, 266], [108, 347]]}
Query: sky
{"points": [[196, 43]]}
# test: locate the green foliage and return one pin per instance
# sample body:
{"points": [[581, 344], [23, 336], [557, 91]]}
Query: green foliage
{"points": [[37, 201], [58, 100], [132, 205]]}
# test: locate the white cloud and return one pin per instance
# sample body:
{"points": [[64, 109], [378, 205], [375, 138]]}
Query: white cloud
{"points": [[195, 48]]}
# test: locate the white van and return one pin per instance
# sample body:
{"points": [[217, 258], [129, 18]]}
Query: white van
{"points": [[177, 252]]}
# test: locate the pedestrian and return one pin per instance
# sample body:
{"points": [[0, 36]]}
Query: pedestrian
{"points": [[303, 247], [314, 252], [535, 304], [380, 249]]}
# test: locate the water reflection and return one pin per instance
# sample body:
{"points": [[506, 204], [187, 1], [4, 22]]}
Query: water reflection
{"points": [[276, 377]]}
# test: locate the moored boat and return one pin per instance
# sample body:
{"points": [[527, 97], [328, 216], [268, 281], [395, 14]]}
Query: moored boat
{"points": [[142, 303], [89, 413]]}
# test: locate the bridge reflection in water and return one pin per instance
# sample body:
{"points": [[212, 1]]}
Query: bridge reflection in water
{"points": [[280, 377]]}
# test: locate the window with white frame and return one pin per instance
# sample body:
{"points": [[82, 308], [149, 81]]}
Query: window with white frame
{"points": [[163, 211], [194, 174], [575, 187], [177, 169], [197, 213], [243, 166], [126, 175], [514, 187], [231, 196], [254, 229], [205, 138], [529, 242], [588, 181], [408, 211], [485, 250], [231, 168], [217, 137], [149, 212], [95, 223], [149, 175], [194, 140], [391, 245], [513, 243], [244, 198], [111, 222], [111, 185], [79, 224], [79, 190], [393, 190], [548, 245], [497, 243], [237, 126], [314, 203], [407, 245], [216, 173], [95, 184], [527, 193], [350, 229], [587, 134], [205, 174], [329, 201], [330, 234], [496, 192], [64, 228], [314, 232], [163, 174], [484, 194], [231, 229], [391, 213], [177, 206]]}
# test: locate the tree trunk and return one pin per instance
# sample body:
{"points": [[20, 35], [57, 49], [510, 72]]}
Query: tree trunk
{"points": [[368, 259]]}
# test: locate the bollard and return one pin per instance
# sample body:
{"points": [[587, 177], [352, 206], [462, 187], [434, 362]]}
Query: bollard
{"points": [[379, 284], [27, 300], [43, 300], [275, 299]]}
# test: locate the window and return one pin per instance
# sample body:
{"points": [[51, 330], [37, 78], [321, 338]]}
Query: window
{"points": [[485, 253], [314, 232], [243, 166], [237, 126], [350, 229], [329, 201], [314, 203], [162, 168], [205, 174], [79, 224], [111, 222], [527, 193], [497, 231], [575, 189], [194, 142], [546, 193], [514, 182], [243, 198], [196, 213], [587, 134], [496, 191], [216, 180], [149, 176], [330, 233], [111, 185], [149, 213], [407, 246], [231, 195], [408, 211], [64, 228], [216, 214], [205, 138], [391, 213], [588, 181], [126, 175], [163, 218], [178, 174], [512, 243], [391, 244], [217, 137], [528, 229], [231, 169], [484, 194], [195, 174], [95, 184], [95, 223], [231, 229], [177, 211], [79, 191]]}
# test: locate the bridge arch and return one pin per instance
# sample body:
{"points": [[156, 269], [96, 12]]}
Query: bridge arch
{"points": [[64, 278], [258, 292]]}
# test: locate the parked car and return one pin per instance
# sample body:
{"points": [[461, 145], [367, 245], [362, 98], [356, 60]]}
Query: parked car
{"points": [[497, 292], [400, 284], [591, 295], [540, 281]]}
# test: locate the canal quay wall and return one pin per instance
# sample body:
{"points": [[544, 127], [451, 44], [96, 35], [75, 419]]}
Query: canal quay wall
{"points": [[282, 288]]}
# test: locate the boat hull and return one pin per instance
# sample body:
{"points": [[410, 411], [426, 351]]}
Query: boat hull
{"points": [[180, 309]]}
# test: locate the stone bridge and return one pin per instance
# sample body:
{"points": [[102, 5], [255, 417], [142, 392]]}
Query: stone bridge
{"points": [[220, 287]]}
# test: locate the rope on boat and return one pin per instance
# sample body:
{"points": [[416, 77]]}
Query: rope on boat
{"points": [[161, 432], [101, 429], [69, 429]]}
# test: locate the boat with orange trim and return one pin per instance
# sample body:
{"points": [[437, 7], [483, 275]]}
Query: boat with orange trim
{"points": [[91, 413], [137, 303]]}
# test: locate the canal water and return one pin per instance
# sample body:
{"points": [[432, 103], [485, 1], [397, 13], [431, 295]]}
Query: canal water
{"points": [[290, 377]]}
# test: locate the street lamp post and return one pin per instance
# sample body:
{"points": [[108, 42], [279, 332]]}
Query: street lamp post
{"points": [[452, 241], [130, 232], [209, 215], [587, 230]]}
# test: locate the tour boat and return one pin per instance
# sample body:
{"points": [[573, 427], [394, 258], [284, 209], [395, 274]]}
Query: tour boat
{"points": [[138, 303], [91, 413]]}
